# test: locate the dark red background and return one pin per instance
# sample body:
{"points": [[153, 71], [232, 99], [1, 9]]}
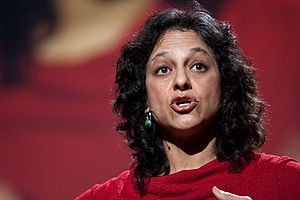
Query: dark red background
{"points": [[48, 150]]}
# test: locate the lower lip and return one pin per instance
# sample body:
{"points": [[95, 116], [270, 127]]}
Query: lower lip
{"points": [[183, 109]]}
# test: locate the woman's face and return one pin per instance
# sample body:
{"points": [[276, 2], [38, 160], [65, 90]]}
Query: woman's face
{"points": [[183, 83]]}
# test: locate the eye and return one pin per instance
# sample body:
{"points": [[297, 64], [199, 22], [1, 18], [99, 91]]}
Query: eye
{"points": [[162, 70], [198, 67]]}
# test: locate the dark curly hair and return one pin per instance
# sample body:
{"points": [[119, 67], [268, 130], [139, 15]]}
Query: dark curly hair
{"points": [[239, 125]]}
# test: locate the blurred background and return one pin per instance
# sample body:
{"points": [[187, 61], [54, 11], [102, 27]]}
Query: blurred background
{"points": [[57, 136]]}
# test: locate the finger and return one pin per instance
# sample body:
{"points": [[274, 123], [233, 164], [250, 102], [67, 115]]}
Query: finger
{"points": [[222, 195]]}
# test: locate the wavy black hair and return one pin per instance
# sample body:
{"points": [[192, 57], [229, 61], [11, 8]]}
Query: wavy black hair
{"points": [[238, 127]]}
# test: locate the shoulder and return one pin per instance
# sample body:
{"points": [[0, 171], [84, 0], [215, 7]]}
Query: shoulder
{"points": [[276, 161], [278, 164], [282, 171], [284, 166], [110, 189]]}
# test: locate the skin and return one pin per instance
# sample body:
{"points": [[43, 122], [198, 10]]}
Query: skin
{"points": [[222, 195], [183, 66]]}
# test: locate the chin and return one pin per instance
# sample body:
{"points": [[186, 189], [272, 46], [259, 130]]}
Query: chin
{"points": [[186, 122], [187, 126]]}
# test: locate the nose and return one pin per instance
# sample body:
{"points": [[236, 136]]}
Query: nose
{"points": [[182, 80]]}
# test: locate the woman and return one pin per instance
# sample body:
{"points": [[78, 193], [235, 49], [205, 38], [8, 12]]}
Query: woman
{"points": [[63, 52], [192, 116]]}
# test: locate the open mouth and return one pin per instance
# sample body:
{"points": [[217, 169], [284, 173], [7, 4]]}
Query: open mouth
{"points": [[183, 104]]}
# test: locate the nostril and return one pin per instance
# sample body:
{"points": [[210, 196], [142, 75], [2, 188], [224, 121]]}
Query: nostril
{"points": [[184, 86], [187, 86]]}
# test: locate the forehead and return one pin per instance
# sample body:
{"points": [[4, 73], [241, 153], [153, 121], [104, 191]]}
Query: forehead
{"points": [[180, 39]]}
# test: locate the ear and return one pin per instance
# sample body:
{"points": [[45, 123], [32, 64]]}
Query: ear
{"points": [[147, 106], [147, 109]]}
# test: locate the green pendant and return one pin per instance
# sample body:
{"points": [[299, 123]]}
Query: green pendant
{"points": [[147, 123]]}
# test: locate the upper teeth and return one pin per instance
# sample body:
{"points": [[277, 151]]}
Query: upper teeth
{"points": [[183, 103]]}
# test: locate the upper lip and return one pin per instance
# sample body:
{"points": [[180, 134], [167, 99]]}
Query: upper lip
{"points": [[181, 99]]}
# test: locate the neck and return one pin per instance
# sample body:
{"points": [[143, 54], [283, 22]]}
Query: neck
{"points": [[189, 153]]}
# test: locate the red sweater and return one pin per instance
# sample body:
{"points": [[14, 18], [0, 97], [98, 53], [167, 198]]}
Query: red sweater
{"points": [[266, 177]]}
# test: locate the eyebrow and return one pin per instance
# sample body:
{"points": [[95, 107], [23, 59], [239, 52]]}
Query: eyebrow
{"points": [[159, 55], [196, 49]]}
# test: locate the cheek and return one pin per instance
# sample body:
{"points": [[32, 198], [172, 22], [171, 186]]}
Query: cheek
{"points": [[212, 91], [155, 94], [215, 95]]}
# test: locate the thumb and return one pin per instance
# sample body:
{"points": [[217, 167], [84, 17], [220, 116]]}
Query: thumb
{"points": [[222, 195]]}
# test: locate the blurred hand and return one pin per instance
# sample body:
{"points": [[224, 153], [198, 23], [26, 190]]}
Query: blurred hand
{"points": [[222, 195]]}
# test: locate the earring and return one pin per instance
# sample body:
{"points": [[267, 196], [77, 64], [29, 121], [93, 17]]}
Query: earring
{"points": [[148, 121]]}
